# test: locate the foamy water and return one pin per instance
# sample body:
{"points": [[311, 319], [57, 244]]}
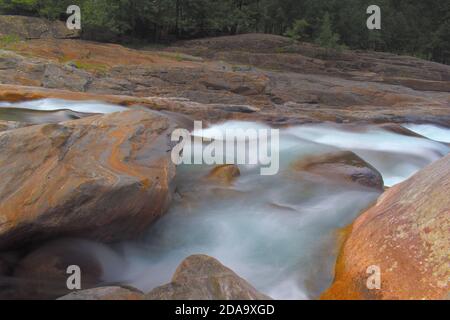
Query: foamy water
{"points": [[430, 131]]}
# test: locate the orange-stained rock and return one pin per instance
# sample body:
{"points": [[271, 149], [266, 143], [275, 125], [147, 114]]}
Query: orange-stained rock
{"points": [[343, 166], [407, 235], [224, 174], [105, 294], [284, 82], [102, 177], [200, 277]]}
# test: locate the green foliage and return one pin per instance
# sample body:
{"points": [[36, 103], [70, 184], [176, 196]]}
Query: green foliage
{"points": [[19, 6], [299, 30], [419, 28], [7, 40], [327, 38]]}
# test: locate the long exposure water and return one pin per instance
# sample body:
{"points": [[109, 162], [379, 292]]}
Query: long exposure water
{"points": [[281, 233]]}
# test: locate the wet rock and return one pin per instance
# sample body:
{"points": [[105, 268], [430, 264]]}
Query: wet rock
{"points": [[104, 178], [235, 83], [201, 277], [105, 294], [396, 128], [406, 236], [35, 28], [343, 166], [225, 174]]}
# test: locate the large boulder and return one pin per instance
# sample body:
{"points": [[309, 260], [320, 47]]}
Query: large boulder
{"points": [[35, 28], [105, 294], [105, 178], [405, 235], [200, 277], [342, 166], [42, 273]]}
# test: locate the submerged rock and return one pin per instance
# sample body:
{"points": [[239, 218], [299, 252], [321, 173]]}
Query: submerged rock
{"points": [[104, 178], [344, 166], [105, 294], [406, 236], [200, 277], [225, 174]]}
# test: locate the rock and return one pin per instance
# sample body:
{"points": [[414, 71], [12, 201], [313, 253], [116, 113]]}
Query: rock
{"points": [[286, 80], [65, 77], [4, 267], [225, 174], [8, 261], [406, 234], [201, 277], [42, 274], [103, 178], [105, 294], [396, 128], [9, 125], [35, 28], [344, 166], [236, 83], [419, 84]]}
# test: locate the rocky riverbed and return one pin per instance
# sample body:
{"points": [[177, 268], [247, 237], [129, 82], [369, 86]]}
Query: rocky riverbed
{"points": [[87, 179]]}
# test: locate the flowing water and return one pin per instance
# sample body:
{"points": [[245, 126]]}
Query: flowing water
{"points": [[53, 110], [280, 232], [430, 131]]}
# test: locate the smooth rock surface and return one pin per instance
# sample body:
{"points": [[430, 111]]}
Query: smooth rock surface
{"points": [[224, 174], [104, 178], [406, 234], [201, 277], [343, 166]]}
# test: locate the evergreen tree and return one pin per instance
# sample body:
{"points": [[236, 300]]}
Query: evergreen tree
{"points": [[327, 38], [413, 27]]}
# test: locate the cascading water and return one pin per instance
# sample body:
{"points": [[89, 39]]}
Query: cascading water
{"points": [[430, 131], [280, 232]]}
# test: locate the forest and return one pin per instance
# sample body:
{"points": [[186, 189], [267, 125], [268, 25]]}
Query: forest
{"points": [[413, 27]]}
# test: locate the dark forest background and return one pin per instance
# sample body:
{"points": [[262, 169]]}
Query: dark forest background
{"points": [[415, 27]]}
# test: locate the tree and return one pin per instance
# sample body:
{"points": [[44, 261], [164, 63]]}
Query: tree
{"points": [[327, 38], [300, 30]]}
